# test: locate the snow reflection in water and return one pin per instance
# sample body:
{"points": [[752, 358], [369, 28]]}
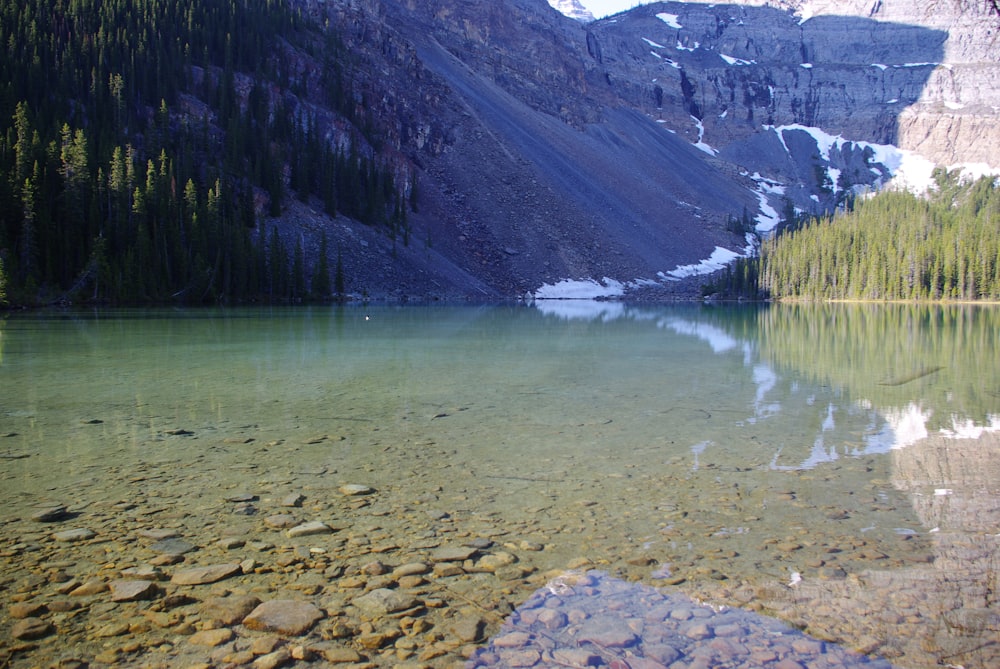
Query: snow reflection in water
{"points": [[593, 620]]}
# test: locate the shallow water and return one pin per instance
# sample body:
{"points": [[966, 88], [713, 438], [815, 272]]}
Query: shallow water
{"points": [[835, 466]]}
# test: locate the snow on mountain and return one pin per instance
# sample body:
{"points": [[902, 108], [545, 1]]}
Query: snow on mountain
{"points": [[573, 9]]}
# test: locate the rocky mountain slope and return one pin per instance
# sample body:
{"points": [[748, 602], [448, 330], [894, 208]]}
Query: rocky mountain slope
{"points": [[543, 148]]}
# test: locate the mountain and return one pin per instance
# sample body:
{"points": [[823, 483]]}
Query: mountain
{"points": [[573, 9], [460, 149], [636, 147]]}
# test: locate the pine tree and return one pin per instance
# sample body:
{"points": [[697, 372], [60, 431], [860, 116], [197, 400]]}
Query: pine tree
{"points": [[321, 277]]}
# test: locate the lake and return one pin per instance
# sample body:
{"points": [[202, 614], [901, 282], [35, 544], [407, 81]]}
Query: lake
{"points": [[418, 475]]}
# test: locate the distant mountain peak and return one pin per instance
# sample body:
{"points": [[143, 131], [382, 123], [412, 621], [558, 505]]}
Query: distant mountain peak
{"points": [[573, 9]]}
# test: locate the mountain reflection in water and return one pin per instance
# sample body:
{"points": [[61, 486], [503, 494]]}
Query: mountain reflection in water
{"points": [[591, 620]]}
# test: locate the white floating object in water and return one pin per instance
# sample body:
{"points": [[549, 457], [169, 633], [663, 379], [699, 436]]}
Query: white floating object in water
{"points": [[796, 579], [941, 492]]}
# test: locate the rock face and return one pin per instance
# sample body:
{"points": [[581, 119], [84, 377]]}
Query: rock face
{"points": [[543, 148], [922, 76]]}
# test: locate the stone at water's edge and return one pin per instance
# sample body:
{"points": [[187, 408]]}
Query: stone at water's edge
{"points": [[284, 616]]}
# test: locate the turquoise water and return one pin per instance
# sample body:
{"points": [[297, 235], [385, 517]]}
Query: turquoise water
{"points": [[813, 462]]}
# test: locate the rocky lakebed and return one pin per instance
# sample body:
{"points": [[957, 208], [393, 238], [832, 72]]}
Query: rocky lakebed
{"points": [[227, 563]]}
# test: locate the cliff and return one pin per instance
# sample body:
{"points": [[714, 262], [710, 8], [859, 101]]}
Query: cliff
{"points": [[546, 148]]}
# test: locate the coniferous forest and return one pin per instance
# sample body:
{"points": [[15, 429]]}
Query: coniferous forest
{"points": [[890, 246], [141, 142]]}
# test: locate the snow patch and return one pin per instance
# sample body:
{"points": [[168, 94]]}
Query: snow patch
{"points": [[653, 44], [768, 217], [580, 289], [736, 61], [700, 144], [909, 170], [719, 259], [681, 47], [670, 20]]}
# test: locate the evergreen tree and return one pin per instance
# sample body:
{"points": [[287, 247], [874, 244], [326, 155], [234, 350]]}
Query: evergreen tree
{"points": [[894, 246], [75, 205], [321, 277]]}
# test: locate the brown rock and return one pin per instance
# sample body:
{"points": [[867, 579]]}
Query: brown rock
{"points": [[284, 616]]}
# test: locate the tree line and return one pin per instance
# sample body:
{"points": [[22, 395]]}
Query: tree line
{"points": [[890, 246], [142, 141]]}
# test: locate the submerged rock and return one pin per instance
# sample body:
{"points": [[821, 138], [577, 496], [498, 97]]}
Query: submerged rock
{"points": [[131, 590], [310, 528], [49, 513], [203, 575], [382, 601], [75, 534], [31, 628], [284, 616], [351, 489]]}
